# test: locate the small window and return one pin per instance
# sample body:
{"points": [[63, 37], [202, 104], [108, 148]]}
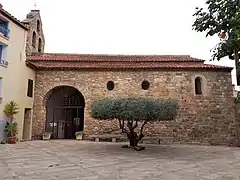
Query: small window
{"points": [[3, 53], [38, 25], [34, 39], [145, 85], [30, 88], [1, 95], [1, 79], [4, 28], [110, 85], [198, 86], [39, 45]]}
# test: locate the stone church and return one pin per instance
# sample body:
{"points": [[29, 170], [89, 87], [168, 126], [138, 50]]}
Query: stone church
{"points": [[67, 84]]}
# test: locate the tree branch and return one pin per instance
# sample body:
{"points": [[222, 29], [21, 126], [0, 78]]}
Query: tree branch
{"points": [[145, 122], [121, 124], [136, 125], [129, 125], [141, 132], [131, 122], [124, 130]]}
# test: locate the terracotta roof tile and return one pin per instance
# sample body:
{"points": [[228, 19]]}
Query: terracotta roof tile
{"points": [[83, 61], [92, 57]]}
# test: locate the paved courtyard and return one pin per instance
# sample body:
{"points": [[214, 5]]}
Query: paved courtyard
{"points": [[72, 160]]}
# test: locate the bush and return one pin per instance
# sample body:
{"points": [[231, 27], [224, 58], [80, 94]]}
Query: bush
{"points": [[11, 129], [237, 99], [134, 110], [11, 109]]}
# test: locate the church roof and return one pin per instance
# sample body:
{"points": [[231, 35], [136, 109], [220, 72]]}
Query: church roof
{"points": [[49, 61]]}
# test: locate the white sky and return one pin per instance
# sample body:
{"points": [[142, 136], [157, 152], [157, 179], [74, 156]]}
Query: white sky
{"points": [[119, 26]]}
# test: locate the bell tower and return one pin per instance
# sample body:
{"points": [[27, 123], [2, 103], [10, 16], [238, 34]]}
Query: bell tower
{"points": [[35, 37]]}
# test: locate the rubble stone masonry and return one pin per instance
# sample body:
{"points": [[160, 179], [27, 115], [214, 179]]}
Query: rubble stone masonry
{"points": [[34, 24], [203, 119]]}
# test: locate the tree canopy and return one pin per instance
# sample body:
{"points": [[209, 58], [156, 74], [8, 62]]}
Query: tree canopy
{"points": [[129, 112], [221, 17], [135, 109]]}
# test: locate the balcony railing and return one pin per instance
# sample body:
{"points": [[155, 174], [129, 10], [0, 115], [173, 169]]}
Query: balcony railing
{"points": [[4, 31], [3, 63]]}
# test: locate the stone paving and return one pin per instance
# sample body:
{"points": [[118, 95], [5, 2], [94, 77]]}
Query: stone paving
{"points": [[73, 160]]}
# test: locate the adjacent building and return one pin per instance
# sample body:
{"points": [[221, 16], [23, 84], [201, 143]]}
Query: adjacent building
{"points": [[16, 79]]}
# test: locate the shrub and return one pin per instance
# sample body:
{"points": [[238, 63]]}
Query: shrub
{"points": [[237, 99], [11, 109], [130, 111]]}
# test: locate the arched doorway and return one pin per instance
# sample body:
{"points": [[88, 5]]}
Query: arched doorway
{"points": [[64, 112]]}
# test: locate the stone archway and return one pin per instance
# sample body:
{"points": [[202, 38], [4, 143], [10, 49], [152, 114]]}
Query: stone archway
{"points": [[64, 112]]}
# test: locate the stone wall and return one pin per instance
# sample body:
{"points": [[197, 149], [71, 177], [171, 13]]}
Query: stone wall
{"points": [[237, 123], [207, 118], [34, 24]]}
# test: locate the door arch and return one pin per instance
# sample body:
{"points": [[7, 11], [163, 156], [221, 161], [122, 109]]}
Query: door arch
{"points": [[64, 112]]}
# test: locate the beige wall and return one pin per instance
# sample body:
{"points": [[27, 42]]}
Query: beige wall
{"points": [[15, 76]]}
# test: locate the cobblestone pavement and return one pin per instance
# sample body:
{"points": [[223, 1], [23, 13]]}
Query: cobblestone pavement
{"points": [[72, 160]]}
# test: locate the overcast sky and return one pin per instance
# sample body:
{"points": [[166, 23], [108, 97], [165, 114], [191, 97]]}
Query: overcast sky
{"points": [[119, 26]]}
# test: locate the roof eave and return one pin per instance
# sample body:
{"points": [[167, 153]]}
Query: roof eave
{"points": [[128, 68], [9, 16], [31, 66]]}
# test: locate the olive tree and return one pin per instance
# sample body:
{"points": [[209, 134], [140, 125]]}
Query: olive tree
{"points": [[134, 113]]}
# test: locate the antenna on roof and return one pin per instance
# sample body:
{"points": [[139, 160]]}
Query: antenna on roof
{"points": [[35, 4]]}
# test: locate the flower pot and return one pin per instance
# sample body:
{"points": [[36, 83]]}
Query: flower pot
{"points": [[12, 140], [79, 135], [46, 136]]}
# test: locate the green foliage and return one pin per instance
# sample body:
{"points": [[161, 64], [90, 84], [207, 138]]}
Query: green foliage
{"points": [[221, 17], [11, 129], [11, 109], [130, 111], [133, 109], [237, 100]]}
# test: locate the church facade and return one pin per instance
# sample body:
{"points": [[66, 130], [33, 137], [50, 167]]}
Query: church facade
{"points": [[67, 84]]}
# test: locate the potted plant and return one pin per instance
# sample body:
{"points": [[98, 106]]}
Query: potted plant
{"points": [[79, 135], [11, 130], [10, 110], [46, 135]]}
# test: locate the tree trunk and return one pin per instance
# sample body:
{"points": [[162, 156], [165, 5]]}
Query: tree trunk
{"points": [[133, 138], [236, 59]]}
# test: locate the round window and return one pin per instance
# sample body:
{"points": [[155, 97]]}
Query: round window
{"points": [[145, 85], [110, 85]]}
